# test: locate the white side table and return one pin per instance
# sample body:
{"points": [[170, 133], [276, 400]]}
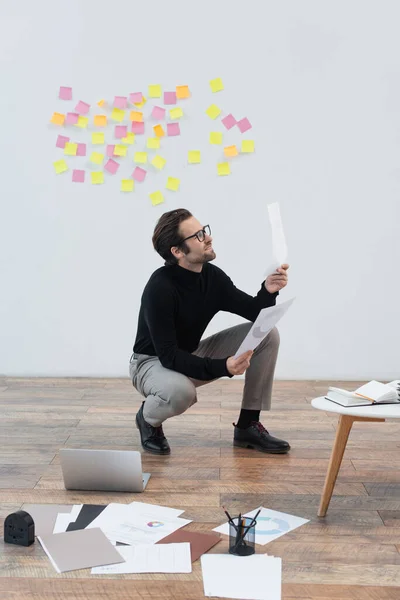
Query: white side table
{"points": [[347, 416]]}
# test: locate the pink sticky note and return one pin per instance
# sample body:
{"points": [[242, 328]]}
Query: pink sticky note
{"points": [[173, 129], [139, 174], [81, 150], [158, 113], [65, 93], [136, 97], [244, 125], [82, 107], [78, 176], [120, 102], [121, 131], [71, 118], [169, 97], [61, 141], [111, 166], [137, 127], [229, 121], [110, 149]]}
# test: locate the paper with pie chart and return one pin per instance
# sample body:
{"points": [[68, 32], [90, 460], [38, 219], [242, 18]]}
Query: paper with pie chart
{"points": [[265, 322], [271, 524]]}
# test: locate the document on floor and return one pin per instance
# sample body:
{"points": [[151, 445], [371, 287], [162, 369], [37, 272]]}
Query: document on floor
{"points": [[64, 519], [265, 322], [163, 558], [256, 577], [279, 246], [45, 515]]}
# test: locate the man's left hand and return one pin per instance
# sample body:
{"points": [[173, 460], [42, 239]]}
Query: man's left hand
{"points": [[277, 280]]}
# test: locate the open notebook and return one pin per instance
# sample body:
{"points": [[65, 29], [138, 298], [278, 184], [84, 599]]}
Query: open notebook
{"points": [[373, 392]]}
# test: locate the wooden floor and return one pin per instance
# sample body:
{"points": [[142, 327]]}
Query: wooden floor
{"points": [[354, 553]]}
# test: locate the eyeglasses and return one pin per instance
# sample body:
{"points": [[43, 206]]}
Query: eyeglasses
{"points": [[200, 235]]}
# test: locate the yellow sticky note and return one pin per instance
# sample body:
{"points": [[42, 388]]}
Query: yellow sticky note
{"points": [[154, 91], [175, 113], [213, 111], [98, 138], [140, 157], [173, 184], [60, 166], [194, 156], [129, 139], [156, 198], [101, 102], [117, 114], [100, 120], [247, 145], [127, 185], [57, 119], [153, 143], [140, 104], [158, 162], [182, 91], [216, 85], [231, 151], [215, 137], [70, 149], [82, 122], [96, 158], [136, 115], [120, 150], [97, 176], [223, 168], [159, 131]]}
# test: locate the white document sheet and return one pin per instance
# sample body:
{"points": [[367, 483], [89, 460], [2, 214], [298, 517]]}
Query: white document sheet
{"points": [[255, 577], [64, 519], [163, 558], [266, 320], [156, 509], [279, 246]]}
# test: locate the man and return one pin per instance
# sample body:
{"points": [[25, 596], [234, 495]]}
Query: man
{"points": [[169, 361]]}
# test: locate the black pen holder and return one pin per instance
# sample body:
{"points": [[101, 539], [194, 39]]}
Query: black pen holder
{"points": [[242, 536]]}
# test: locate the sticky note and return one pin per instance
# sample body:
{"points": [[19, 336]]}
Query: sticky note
{"points": [[110, 149], [117, 114], [136, 115], [100, 120], [244, 125], [129, 138], [158, 162], [78, 176], [82, 122], [159, 131], [60, 166], [61, 141], [142, 103], [97, 177], [120, 131], [101, 103], [111, 166], [216, 85], [65, 93], [120, 101], [194, 156], [57, 119], [215, 137], [70, 149], [98, 138], [139, 174], [247, 146], [120, 150], [231, 151], [213, 111], [169, 97], [173, 129], [82, 107], [223, 168], [182, 91], [81, 150], [176, 113], [96, 158], [136, 97], [229, 121], [158, 113], [137, 127], [140, 157], [127, 185], [153, 143], [71, 118], [173, 184], [156, 198], [154, 91]]}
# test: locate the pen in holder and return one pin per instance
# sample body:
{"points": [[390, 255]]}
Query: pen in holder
{"points": [[242, 532]]}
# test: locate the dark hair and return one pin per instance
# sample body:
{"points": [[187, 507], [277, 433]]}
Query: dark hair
{"points": [[166, 234]]}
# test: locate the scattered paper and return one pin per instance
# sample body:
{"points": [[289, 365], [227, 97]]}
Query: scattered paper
{"points": [[173, 184], [140, 157], [61, 141], [44, 515], [175, 113], [168, 558], [213, 111], [231, 151], [139, 174], [120, 102], [65, 93], [247, 146], [71, 118], [229, 121], [82, 122], [111, 166], [199, 542], [279, 246], [244, 125], [156, 198], [78, 176], [182, 92], [216, 85], [127, 185], [169, 97], [81, 150], [137, 127], [194, 156], [136, 115], [64, 519], [153, 143], [136, 97], [158, 162], [60, 166], [82, 107], [158, 113], [97, 177], [70, 149], [215, 137], [120, 150], [117, 114], [154, 91], [129, 138], [96, 158], [110, 149], [98, 138], [223, 168], [57, 119], [159, 131], [173, 129], [142, 103], [120, 131], [100, 120]]}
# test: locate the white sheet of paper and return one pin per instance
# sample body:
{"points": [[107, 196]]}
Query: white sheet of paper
{"points": [[255, 577], [156, 509], [163, 558], [64, 519], [279, 246], [271, 524], [266, 320]]}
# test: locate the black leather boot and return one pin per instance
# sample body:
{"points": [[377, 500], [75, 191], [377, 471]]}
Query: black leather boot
{"points": [[152, 438]]}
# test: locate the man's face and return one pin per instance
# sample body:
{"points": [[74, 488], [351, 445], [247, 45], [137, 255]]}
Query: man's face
{"points": [[197, 252]]}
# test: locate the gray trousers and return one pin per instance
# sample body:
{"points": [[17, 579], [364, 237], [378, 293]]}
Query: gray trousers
{"points": [[169, 393]]}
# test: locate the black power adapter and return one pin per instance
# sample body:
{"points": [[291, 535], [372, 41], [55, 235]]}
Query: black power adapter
{"points": [[19, 529]]}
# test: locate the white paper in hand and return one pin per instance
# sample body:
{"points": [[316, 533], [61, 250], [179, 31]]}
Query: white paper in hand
{"points": [[266, 320], [279, 247]]}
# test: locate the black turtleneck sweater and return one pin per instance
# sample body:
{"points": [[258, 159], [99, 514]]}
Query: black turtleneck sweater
{"points": [[176, 307]]}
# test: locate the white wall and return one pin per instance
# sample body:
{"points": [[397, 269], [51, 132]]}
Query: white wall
{"points": [[319, 80]]}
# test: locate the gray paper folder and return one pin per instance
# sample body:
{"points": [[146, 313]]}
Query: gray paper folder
{"points": [[79, 550]]}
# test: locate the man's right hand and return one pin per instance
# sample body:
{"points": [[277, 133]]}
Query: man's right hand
{"points": [[237, 366]]}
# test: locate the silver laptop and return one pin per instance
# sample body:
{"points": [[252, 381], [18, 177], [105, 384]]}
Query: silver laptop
{"points": [[103, 470]]}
